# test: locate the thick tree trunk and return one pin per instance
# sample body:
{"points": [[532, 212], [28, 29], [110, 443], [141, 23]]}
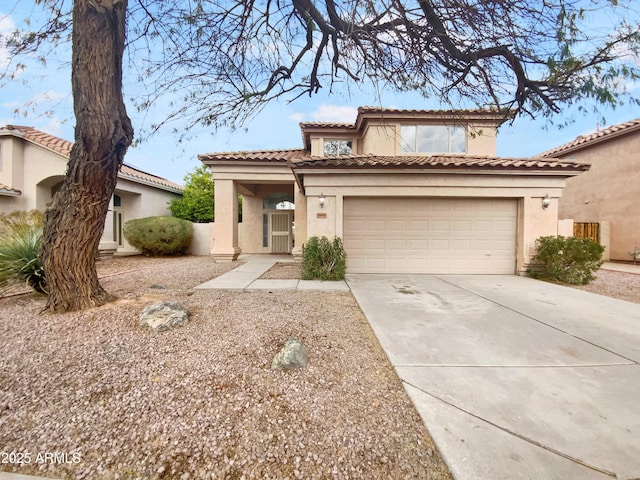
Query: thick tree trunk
{"points": [[75, 220]]}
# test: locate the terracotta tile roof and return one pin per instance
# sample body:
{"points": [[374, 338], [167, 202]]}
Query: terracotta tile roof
{"points": [[583, 141], [51, 142], [63, 147], [445, 113], [441, 162], [141, 176], [7, 190], [255, 156], [327, 125]]}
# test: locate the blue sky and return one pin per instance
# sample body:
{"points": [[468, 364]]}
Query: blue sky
{"points": [[42, 99]]}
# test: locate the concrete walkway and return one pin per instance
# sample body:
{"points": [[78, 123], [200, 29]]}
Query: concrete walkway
{"points": [[515, 378], [246, 277], [621, 267]]}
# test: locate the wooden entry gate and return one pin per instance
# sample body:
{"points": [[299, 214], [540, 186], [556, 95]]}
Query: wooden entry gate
{"points": [[587, 230]]}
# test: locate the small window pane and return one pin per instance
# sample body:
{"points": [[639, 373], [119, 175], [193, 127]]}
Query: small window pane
{"points": [[337, 147], [458, 140], [440, 140], [408, 138]]}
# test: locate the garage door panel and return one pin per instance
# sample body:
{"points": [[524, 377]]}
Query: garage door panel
{"points": [[427, 235]]}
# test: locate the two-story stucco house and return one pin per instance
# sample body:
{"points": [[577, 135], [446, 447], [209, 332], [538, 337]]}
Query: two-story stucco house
{"points": [[32, 167], [408, 191], [608, 192]]}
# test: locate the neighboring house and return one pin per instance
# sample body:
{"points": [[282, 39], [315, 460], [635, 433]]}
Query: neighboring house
{"points": [[415, 191], [32, 168], [608, 192]]}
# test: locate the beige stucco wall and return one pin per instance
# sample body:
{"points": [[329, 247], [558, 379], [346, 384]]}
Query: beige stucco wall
{"points": [[254, 182], [34, 171], [381, 137], [608, 191], [203, 238], [137, 201], [533, 220]]}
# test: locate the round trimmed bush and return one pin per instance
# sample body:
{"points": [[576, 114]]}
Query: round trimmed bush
{"points": [[570, 260], [159, 236]]}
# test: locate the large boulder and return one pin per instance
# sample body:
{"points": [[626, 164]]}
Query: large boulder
{"points": [[163, 316], [293, 355]]}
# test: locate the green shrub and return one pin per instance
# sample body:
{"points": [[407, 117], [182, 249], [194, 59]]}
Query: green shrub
{"points": [[196, 202], [570, 260], [20, 246], [159, 235], [323, 259]]}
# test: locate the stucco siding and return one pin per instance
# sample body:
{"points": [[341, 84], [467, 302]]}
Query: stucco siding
{"points": [[608, 191], [528, 191]]}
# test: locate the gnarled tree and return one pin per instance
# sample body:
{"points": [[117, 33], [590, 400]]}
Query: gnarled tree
{"points": [[220, 61]]}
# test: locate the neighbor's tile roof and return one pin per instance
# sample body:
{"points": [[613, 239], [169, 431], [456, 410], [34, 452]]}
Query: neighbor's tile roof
{"points": [[583, 141], [285, 155], [51, 142], [7, 190], [441, 162], [127, 171], [63, 147]]}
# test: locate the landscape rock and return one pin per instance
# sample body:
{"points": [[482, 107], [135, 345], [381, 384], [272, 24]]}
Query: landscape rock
{"points": [[162, 316], [293, 355]]}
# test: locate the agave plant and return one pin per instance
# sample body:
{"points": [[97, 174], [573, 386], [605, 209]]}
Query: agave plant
{"points": [[20, 245]]}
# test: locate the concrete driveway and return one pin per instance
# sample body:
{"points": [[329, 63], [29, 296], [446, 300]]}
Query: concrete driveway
{"points": [[514, 378]]}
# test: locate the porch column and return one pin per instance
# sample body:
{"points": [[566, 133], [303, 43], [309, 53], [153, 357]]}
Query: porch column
{"points": [[225, 248], [300, 230]]}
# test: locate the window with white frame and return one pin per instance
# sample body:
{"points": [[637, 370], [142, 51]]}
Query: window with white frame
{"points": [[337, 147], [432, 139]]}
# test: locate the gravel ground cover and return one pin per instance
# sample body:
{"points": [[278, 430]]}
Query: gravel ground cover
{"points": [[284, 271], [621, 285], [94, 395]]}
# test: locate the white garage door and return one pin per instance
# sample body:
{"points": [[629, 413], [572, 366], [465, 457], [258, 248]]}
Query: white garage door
{"points": [[427, 235]]}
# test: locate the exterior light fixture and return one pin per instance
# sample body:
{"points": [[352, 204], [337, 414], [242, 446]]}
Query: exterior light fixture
{"points": [[321, 200], [546, 201]]}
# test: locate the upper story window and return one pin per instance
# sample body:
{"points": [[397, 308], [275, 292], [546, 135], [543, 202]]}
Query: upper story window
{"points": [[432, 139], [337, 147]]}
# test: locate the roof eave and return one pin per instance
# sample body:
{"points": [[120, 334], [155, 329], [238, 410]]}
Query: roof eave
{"points": [[10, 193], [142, 181], [588, 143], [301, 170]]}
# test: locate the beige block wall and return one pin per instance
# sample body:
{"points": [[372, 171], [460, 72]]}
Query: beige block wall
{"points": [[203, 238], [608, 192]]}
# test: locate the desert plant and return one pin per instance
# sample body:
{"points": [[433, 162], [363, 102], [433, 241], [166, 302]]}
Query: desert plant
{"points": [[19, 219], [324, 259], [20, 246], [159, 235], [570, 260]]}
